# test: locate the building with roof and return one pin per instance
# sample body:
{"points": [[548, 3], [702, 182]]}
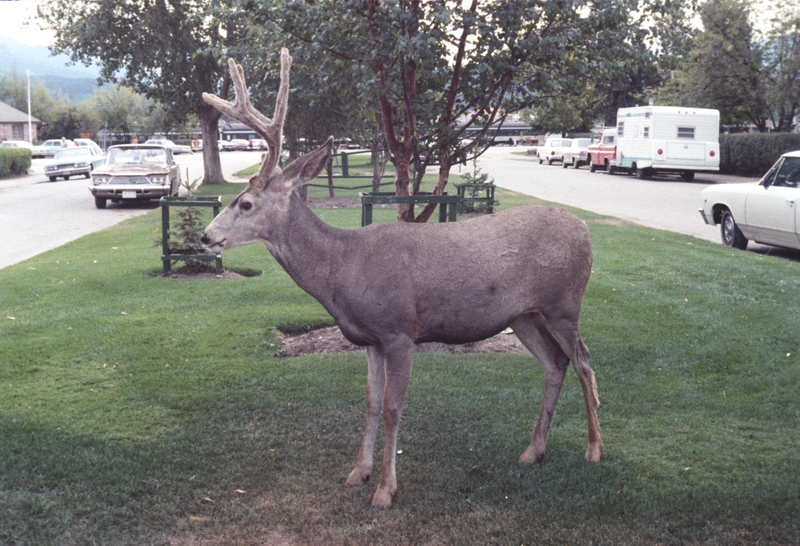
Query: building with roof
{"points": [[14, 124]]}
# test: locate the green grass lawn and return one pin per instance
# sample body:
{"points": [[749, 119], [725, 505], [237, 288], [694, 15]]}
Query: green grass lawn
{"points": [[136, 409]]}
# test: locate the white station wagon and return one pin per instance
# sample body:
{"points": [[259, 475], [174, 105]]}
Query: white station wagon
{"points": [[765, 212]]}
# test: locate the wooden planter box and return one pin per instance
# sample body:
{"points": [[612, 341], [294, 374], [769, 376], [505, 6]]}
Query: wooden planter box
{"points": [[166, 257], [448, 204], [476, 197]]}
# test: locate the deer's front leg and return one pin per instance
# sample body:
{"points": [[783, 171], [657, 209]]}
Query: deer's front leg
{"points": [[399, 358], [375, 385]]}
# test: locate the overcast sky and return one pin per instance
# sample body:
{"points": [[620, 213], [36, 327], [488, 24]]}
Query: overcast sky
{"points": [[13, 14]]}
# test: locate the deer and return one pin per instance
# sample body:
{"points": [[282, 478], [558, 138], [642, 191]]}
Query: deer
{"points": [[390, 286]]}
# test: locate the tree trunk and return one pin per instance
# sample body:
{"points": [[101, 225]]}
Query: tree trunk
{"points": [[444, 176], [209, 126], [329, 169]]}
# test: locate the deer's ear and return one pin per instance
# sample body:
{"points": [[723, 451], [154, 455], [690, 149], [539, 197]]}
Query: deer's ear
{"points": [[305, 168]]}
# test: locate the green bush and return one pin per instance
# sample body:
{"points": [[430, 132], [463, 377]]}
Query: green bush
{"points": [[14, 161], [752, 154]]}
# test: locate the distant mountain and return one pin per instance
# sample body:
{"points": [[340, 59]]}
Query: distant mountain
{"points": [[77, 81]]}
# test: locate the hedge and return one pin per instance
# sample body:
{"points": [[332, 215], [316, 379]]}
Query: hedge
{"points": [[14, 161], [752, 154]]}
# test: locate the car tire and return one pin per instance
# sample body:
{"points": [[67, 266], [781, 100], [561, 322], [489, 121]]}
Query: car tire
{"points": [[564, 165], [100, 202], [53, 178], [66, 178], [610, 168], [576, 164], [643, 174], [731, 234], [540, 160], [592, 167], [687, 176]]}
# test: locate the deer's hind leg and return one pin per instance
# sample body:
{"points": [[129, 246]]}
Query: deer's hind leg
{"points": [[376, 380], [560, 337], [532, 332]]}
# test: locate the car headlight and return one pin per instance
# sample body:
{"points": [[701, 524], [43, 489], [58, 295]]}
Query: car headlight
{"points": [[81, 165], [159, 179], [97, 180]]}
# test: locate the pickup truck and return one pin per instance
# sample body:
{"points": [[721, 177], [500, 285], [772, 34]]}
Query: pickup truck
{"points": [[603, 153]]}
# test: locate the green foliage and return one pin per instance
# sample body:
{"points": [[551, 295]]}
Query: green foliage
{"points": [[434, 69], [185, 234], [165, 52], [14, 161], [136, 409], [752, 154]]}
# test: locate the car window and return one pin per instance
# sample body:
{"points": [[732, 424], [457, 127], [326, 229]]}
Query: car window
{"points": [[788, 173], [155, 156], [72, 152]]}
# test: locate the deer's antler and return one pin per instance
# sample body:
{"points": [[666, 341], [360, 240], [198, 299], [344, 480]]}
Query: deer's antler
{"points": [[242, 110]]}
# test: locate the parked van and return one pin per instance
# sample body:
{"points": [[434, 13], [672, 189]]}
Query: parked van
{"points": [[674, 139]]}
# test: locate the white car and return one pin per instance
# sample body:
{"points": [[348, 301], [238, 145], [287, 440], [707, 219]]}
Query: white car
{"points": [[554, 150], [48, 148], [73, 161], [578, 153], [18, 144], [765, 212], [175, 148]]}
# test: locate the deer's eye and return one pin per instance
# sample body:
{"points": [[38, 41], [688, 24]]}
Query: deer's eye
{"points": [[245, 205]]}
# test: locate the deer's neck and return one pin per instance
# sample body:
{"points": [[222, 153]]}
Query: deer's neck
{"points": [[309, 250]]}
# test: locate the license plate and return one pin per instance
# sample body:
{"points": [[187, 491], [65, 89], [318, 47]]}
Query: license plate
{"points": [[129, 195]]}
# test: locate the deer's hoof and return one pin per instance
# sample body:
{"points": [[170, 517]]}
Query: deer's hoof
{"points": [[382, 499], [593, 452], [531, 456], [358, 476]]}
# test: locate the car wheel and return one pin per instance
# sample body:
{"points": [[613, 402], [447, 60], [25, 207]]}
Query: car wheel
{"points": [[688, 176], [66, 178], [53, 178], [610, 168], [564, 165], [731, 234], [540, 160], [100, 202], [87, 175], [643, 174], [592, 167], [576, 164]]}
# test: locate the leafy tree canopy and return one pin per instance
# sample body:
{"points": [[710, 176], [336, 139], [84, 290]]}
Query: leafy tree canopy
{"points": [[161, 49]]}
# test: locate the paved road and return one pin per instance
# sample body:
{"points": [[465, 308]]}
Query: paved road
{"points": [[665, 202], [38, 215]]}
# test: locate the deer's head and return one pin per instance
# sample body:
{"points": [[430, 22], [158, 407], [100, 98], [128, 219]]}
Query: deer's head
{"points": [[263, 206]]}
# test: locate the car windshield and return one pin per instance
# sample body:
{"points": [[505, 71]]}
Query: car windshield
{"points": [[72, 152], [116, 156], [789, 173], [582, 142]]}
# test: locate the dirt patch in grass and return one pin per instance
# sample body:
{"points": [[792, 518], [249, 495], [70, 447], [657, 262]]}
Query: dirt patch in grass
{"points": [[330, 340]]}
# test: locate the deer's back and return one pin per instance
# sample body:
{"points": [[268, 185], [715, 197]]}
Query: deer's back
{"points": [[467, 280]]}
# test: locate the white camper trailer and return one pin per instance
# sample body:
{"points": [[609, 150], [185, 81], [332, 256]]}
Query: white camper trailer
{"points": [[653, 139]]}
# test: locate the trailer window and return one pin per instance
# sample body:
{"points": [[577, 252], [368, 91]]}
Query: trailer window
{"points": [[646, 132], [686, 132], [621, 128]]}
